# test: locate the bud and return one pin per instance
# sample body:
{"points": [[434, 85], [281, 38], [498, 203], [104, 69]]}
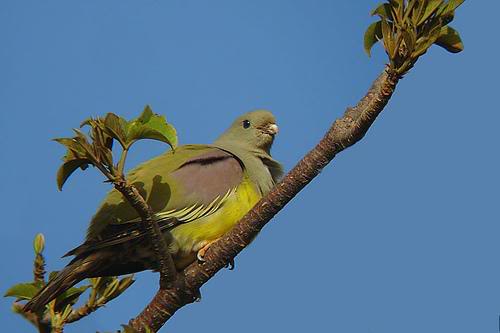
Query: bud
{"points": [[39, 243]]}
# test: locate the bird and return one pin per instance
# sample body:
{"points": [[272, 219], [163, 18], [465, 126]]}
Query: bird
{"points": [[197, 192]]}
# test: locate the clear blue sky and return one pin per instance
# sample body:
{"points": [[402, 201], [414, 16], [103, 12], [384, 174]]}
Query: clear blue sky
{"points": [[399, 234]]}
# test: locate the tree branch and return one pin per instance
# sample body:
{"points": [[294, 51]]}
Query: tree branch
{"points": [[344, 132], [166, 266]]}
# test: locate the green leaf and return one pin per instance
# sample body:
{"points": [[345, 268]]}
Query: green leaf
{"points": [[372, 35], [78, 146], [81, 139], [116, 127], [383, 10], [77, 156], [396, 3], [66, 312], [126, 282], [387, 37], [101, 283], [434, 34], [75, 149], [397, 8], [151, 126], [418, 11], [450, 40], [454, 4], [111, 288], [74, 291], [447, 10], [420, 48], [410, 8], [116, 288], [89, 122], [24, 291], [69, 297], [409, 40], [38, 243], [68, 168], [430, 9], [68, 142]]}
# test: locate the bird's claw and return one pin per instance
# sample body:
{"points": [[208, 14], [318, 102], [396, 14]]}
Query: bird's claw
{"points": [[197, 296], [200, 255], [230, 265]]}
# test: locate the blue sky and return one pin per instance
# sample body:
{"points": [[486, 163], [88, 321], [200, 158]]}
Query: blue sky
{"points": [[398, 234]]}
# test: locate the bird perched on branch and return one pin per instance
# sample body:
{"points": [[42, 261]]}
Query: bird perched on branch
{"points": [[198, 193]]}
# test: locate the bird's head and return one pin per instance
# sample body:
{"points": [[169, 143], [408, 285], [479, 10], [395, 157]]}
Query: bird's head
{"points": [[255, 129]]}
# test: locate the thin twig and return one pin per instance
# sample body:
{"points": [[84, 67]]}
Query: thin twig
{"points": [[39, 268], [121, 164], [81, 312], [166, 266]]}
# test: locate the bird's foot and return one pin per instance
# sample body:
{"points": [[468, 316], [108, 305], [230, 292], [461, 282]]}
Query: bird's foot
{"points": [[197, 296], [201, 252], [230, 265]]}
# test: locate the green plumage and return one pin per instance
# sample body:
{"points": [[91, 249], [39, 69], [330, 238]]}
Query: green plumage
{"points": [[198, 192], [154, 181]]}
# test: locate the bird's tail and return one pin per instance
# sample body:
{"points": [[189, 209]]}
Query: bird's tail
{"points": [[76, 271]]}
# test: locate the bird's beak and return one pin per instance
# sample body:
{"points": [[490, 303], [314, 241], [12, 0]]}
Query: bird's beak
{"points": [[273, 129]]}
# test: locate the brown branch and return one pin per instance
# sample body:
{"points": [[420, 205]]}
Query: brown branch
{"points": [[166, 266], [81, 312], [345, 132]]}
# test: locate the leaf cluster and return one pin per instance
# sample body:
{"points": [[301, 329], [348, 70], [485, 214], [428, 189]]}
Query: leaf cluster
{"points": [[96, 149], [104, 289], [408, 28], [61, 310]]}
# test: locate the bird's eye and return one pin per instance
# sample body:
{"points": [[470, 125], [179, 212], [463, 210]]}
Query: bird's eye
{"points": [[246, 123]]}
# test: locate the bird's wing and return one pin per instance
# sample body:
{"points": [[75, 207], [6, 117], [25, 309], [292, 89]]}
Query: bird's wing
{"points": [[180, 186], [116, 234]]}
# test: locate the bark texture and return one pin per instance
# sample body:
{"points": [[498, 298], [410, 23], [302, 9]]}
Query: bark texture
{"points": [[343, 133], [168, 272]]}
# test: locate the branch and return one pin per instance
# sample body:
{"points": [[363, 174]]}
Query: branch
{"points": [[80, 313], [344, 132], [166, 266]]}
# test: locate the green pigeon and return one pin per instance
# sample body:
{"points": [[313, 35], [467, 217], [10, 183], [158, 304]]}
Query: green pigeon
{"points": [[198, 193]]}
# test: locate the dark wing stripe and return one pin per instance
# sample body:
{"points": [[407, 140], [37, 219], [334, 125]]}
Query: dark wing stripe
{"points": [[127, 233]]}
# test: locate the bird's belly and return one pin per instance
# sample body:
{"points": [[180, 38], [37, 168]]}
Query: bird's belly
{"points": [[192, 236]]}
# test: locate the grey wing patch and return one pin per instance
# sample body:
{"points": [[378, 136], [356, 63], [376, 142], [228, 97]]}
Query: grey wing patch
{"points": [[208, 176], [204, 183]]}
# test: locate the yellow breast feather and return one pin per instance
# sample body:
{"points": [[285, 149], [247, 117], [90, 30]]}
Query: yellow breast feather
{"points": [[192, 236]]}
